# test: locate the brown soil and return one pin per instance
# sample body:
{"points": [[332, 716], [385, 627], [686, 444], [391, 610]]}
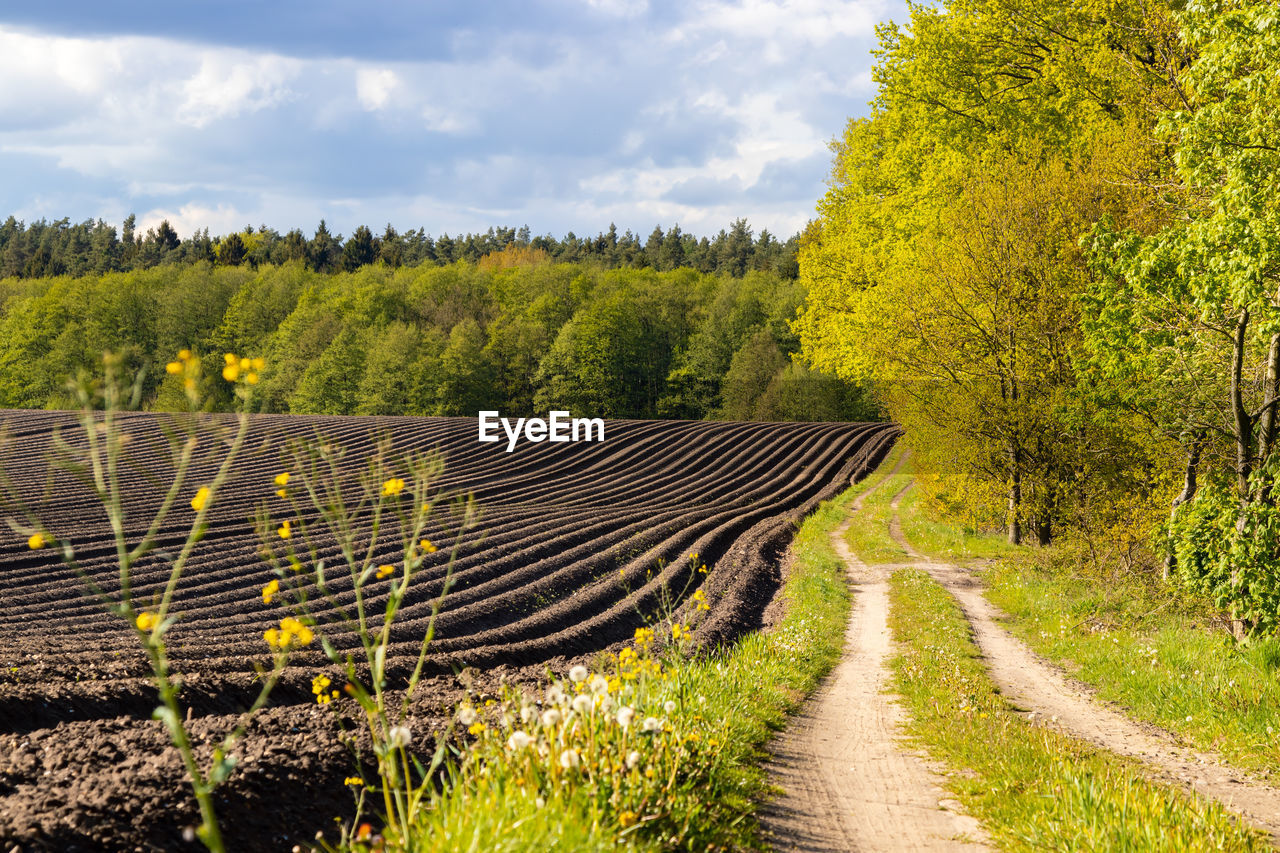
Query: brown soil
{"points": [[1050, 698], [579, 543], [849, 784]]}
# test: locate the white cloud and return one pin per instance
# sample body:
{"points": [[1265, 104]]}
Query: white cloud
{"points": [[775, 21], [193, 216], [375, 86], [229, 83], [620, 8]]}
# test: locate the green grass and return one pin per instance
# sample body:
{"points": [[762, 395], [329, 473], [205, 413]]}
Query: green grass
{"points": [[730, 704], [868, 534], [1032, 789], [946, 540]]}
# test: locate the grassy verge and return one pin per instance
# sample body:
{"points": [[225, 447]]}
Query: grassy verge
{"points": [[1134, 639], [1140, 646], [684, 771], [1033, 789]]}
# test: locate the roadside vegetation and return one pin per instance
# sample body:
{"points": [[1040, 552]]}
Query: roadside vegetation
{"points": [[1167, 661], [647, 749]]}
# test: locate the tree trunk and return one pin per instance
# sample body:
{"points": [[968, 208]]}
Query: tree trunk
{"points": [[1188, 492], [1015, 495], [1244, 447], [1243, 421], [1044, 530], [1267, 426]]}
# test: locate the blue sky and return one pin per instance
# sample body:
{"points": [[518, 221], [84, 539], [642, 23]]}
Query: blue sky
{"points": [[564, 115]]}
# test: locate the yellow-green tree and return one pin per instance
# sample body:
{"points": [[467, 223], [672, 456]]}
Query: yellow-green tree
{"points": [[946, 266]]}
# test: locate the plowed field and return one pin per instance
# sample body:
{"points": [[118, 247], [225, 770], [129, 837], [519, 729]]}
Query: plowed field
{"points": [[576, 542]]}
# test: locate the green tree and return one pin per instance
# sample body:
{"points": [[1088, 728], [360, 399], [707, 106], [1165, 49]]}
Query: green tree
{"points": [[1191, 314]]}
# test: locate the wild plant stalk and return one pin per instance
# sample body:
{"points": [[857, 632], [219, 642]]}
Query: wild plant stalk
{"points": [[98, 464], [385, 504]]}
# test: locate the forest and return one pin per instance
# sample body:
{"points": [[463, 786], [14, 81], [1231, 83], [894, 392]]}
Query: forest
{"points": [[43, 249], [516, 331], [1053, 250]]}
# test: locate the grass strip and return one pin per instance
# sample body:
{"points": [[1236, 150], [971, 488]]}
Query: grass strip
{"points": [[869, 538], [700, 776], [1032, 788]]}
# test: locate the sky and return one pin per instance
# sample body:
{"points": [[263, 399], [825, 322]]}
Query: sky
{"points": [[563, 115]]}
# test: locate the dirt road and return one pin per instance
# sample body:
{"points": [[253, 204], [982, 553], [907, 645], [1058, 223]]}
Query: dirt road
{"points": [[850, 784]]}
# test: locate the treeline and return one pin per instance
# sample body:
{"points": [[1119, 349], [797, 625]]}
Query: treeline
{"points": [[1054, 249], [94, 247], [517, 332]]}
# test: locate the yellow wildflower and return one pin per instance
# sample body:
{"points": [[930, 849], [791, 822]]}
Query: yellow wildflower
{"points": [[258, 364], [320, 683], [393, 486], [282, 479], [354, 781], [173, 368], [269, 591], [476, 728], [290, 634], [36, 541], [285, 530], [427, 547], [146, 621], [184, 355], [627, 818], [201, 498], [282, 493], [385, 571], [231, 372]]}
